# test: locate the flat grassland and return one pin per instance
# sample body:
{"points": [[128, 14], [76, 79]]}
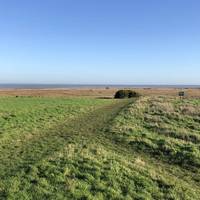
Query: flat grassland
{"points": [[96, 92], [92, 148]]}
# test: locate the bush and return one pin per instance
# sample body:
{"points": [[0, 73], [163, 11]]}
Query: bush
{"points": [[121, 94]]}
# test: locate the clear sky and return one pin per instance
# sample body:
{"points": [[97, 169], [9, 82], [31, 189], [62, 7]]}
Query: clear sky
{"points": [[100, 41]]}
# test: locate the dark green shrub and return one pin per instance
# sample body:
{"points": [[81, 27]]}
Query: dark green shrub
{"points": [[133, 94], [121, 94]]}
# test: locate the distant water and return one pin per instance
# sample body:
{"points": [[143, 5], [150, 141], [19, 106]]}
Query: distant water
{"points": [[75, 86]]}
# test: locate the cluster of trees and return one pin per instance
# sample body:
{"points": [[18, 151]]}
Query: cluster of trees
{"points": [[121, 94]]}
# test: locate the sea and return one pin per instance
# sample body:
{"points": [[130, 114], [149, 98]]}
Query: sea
{"points": [[93, 86]]}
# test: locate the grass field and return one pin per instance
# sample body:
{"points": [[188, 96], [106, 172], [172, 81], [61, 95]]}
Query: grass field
{"points": [[82, 148], [97, 92]]}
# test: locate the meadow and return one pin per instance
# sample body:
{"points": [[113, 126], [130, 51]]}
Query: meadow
{"points": [[89, 148]]}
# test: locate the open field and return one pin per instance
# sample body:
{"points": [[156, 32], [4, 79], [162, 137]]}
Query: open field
{"points": [[90, 148], [96, 92]]}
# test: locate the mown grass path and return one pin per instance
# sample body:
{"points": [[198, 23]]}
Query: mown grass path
{"points": [[25, 153], [82, 158]]}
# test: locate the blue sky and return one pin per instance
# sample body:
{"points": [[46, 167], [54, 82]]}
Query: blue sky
{"points": [[100, 41]]}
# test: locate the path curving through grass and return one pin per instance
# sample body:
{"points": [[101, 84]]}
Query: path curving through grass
{"points": [[18, 158], [92, 156]]}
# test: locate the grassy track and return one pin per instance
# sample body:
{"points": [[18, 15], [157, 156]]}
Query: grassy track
{"points": [[104, 149], [40, 145], [16, 159]]}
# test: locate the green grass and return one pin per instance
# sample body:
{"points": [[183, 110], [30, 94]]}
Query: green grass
{"points": [[164, 133], [57, 148]]}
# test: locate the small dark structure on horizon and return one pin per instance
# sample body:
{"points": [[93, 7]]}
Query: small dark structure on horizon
{"points": [[122, 94], [181, 94]]}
